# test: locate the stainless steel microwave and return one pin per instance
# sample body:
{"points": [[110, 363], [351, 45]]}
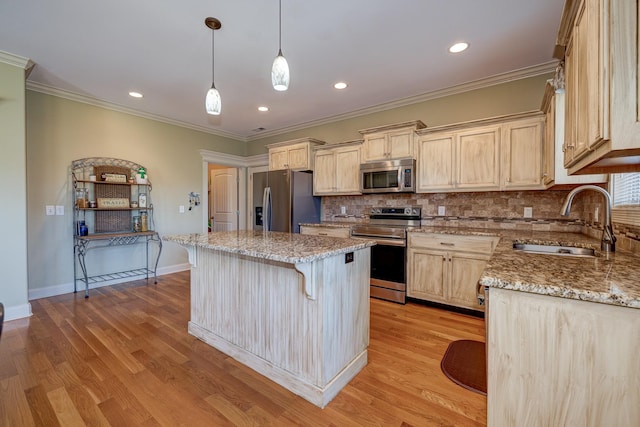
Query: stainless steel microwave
{"points": [[393, 176]]}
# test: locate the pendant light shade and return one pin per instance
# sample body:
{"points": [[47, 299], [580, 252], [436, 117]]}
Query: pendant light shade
{"points": [[213, 101], [280, 73], [280, 68]]}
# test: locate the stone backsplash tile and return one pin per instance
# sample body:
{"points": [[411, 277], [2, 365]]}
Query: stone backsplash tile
{"points": [[509, 205], [491, 210]]}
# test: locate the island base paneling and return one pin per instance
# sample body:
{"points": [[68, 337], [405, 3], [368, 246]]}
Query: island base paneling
{"points": [[261, 313]]}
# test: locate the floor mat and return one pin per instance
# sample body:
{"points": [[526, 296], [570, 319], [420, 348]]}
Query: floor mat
{"points": [[465, 364]]}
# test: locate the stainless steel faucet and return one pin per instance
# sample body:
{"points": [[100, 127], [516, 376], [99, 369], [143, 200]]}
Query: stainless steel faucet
{"points": [[608, 242]]}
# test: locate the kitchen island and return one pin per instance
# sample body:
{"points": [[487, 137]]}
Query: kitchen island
{"points": [[294, 308]]}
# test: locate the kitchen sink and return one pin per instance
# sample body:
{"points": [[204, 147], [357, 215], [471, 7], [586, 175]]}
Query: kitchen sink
{"points": [[554, 250]]}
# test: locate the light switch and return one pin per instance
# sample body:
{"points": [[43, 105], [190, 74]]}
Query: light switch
{"points": [[49, 210], [59, 210], [181, 208]]}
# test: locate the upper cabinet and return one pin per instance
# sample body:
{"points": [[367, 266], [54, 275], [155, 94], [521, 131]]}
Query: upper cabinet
{"points": [[337, 169], [296, 154], [553, 106], [598, 41], [390, 142], [501, 153]]}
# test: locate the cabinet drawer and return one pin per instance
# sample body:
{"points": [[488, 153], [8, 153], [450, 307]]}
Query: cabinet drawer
{"points": [[448, 242], [326, 231]]}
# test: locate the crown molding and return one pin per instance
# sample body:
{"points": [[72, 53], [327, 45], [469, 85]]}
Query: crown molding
{"points": [[16, 61], [522, 73], [454, 90], [72, 96]]}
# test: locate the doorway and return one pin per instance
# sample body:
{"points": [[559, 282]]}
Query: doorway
{"points": [[223, 197]]}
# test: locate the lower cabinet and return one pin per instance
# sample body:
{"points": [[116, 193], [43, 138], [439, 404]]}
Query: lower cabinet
{"points": [[446, 268], [344, 232]]}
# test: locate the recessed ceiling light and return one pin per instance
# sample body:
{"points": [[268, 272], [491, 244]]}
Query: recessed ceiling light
{"points": [[262, 108], [135, 94], [340, 85], [458, 47]]}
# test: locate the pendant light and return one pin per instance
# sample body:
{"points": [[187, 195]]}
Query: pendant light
{"points": [[213, 102], [280, 68]]}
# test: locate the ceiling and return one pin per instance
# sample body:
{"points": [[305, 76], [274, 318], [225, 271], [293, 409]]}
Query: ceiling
{"points": [[388, 52]]}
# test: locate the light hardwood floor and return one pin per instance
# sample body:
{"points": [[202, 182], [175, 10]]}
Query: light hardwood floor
{"points": [[124, 358]]}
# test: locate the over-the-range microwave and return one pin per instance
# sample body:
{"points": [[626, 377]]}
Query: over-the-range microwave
{"points": [[393, 176]]}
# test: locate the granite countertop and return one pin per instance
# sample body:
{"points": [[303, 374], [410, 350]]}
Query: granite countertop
{"points": [[272, 245], [606, 278], [329, 224]]}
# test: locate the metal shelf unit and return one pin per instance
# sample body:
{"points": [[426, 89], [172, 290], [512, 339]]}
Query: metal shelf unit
{"points": [[110, 226]]}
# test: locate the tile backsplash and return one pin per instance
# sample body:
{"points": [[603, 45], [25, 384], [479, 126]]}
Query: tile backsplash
{"points": [[495, 205], [503, 210]]}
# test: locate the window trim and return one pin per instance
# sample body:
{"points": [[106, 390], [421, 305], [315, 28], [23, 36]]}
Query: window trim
{"points": [[629, 215]]}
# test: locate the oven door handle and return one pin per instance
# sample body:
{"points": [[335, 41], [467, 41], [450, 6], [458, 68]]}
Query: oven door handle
{"points": [[383, 242]]}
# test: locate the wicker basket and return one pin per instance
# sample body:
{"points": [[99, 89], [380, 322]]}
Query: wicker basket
{"points": [[112, 221]]}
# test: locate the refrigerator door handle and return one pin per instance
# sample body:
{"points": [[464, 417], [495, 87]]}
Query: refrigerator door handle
{"points": [[266, 214]]}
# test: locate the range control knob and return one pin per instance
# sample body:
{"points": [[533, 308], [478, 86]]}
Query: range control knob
{"points": [[407, 211], [415, 211]]}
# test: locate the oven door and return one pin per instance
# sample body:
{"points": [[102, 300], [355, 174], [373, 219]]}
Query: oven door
{"points": [[388, 269]]}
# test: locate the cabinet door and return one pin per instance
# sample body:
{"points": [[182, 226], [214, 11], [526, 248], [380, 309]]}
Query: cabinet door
{"points": [[478, 162], [428, 273], [466, 270], [347, 170], [522, 155], [278, 158], [375, 147], [324, 178], [436, 155], [400, 144], [548, 163], [299, 157]]}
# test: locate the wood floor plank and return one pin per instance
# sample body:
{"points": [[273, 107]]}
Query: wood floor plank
{"points": [[124, 357]]}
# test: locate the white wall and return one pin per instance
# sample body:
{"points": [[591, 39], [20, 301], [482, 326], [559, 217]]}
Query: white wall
{"points": [[13, 172]]}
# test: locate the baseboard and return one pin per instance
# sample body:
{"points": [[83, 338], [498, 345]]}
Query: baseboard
{"points": [[67, 288], [17, 312]]}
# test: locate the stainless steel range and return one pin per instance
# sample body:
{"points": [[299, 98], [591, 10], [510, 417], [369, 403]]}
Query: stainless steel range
{"points": [[388, 227]]}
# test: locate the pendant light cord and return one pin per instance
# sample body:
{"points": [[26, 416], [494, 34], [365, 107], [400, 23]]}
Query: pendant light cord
{"points": [[213, 51], [280, 29]]}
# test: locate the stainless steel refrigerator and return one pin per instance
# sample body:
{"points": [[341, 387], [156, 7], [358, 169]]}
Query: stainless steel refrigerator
{"points": [[283, 199]]}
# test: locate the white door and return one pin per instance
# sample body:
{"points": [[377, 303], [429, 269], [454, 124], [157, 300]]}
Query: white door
{"points": [[224, 196]]}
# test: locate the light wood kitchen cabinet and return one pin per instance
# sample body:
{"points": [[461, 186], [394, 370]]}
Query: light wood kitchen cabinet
{"points": [[499, 153], [561, 362], [597, 40], [337, 169], [390, 142], [553, 106], [296, 154], [478, 159], [459, 160], [445, 268], [343, 232], [522, 154]]}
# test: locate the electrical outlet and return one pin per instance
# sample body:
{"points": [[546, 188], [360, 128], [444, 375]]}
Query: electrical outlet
{"points": [[441, 211], [49, 210], [59, 210], [343, 210], [181, 208], [528, 212]]}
